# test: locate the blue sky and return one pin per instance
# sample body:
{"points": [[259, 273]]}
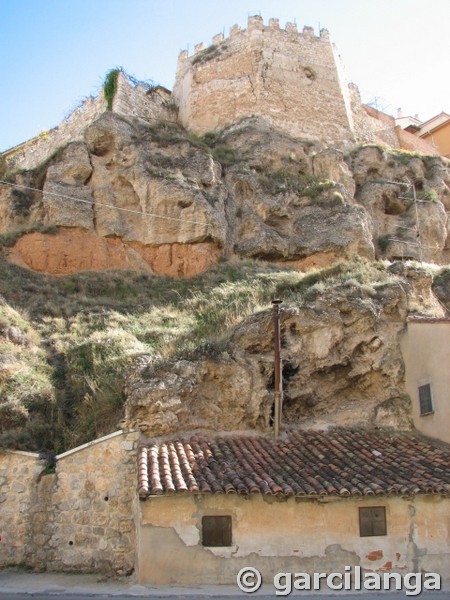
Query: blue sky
{"points": [[54, 53]]}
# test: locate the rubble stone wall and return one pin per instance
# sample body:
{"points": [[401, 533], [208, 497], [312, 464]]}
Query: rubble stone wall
{"points": [[35, 151], [81, 517], [130, 100], [19, 477]]}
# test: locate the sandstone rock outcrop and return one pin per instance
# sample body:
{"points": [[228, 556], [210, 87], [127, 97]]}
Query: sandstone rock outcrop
{"points": [[155, 198], [341, 364], [407, 198]]}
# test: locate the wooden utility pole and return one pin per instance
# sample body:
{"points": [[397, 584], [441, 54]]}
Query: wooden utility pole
{"points": [[277, 368]]}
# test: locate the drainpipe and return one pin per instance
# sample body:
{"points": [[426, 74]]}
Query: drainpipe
{"points": [[277, 367]]}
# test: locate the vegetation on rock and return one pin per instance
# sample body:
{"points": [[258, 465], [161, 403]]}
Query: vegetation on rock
{"points": [[110, 86], [68, 344], [64, 385]]}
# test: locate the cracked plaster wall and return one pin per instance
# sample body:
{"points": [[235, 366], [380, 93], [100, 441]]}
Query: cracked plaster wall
{"points": [[294, 535], [428, 367]]}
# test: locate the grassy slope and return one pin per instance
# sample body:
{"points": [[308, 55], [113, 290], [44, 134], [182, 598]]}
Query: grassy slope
{"points": [[64, 385]]}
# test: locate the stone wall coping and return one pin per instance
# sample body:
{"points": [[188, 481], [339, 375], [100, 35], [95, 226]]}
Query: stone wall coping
{"points": [[91, 443], [11, 151], [412, 319], [21, 453]]}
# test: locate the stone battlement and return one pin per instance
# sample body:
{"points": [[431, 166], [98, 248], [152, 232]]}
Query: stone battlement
{"points": [[256, 23], [294, 79]]}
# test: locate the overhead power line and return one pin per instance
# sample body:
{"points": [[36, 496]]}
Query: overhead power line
{"points": [[102, 204]]}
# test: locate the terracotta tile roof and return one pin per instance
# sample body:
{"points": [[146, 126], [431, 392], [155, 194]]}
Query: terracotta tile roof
{"points": [[309, 463]]}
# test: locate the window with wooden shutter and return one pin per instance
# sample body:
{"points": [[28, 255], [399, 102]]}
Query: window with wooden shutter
{"points": [[216, 530], [372, 521], [426, 404]]}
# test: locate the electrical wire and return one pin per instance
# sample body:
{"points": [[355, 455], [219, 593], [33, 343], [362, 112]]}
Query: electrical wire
{"points": [[102, 204]]}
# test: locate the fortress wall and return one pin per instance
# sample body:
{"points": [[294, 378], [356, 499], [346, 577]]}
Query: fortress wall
{"points": [[368, 122], [137, 101], [33, 152], [130, 101], [374, 126], [290, 78]]}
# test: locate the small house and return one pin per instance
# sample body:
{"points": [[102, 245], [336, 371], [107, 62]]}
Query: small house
{"points": [[310, 501]]}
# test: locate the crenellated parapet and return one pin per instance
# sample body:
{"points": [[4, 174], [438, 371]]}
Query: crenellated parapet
{"points": [[287, 76], [256, 24]]}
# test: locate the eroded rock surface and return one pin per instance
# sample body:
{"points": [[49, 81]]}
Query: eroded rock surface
{"points": [[142, 192], [342, 365]]}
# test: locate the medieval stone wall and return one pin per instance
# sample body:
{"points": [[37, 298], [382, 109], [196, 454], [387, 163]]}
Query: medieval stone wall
{"points": [[33, 152], [294, 80], [138, 101], [288, 77], [130, 101], [79, 517]]}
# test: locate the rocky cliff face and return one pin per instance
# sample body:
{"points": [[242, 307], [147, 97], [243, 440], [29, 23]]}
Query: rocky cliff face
{"points": [[157, 199], [342, 364]]}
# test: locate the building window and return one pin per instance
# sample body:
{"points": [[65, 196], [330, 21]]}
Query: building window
{"points": [[216, 530], [426, 405], [372, 521]]}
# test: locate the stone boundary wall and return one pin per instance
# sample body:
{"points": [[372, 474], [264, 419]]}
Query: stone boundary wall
{"points": [[409, 141], [19, 477], [374, 126], [81, 517], [130, 101]]}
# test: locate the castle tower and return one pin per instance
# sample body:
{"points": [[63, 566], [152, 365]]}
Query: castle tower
{"points": [[293, 79]]}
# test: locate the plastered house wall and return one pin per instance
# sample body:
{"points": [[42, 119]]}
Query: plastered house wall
{"points": [[293, 79], [80, 517], [294, 535], [439, 138], [425, 347]]}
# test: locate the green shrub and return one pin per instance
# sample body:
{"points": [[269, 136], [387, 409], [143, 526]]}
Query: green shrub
{"points": [[110, 86], [428, 196], [288, 180], [384, 241], [226, 156], [207, 54]]}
